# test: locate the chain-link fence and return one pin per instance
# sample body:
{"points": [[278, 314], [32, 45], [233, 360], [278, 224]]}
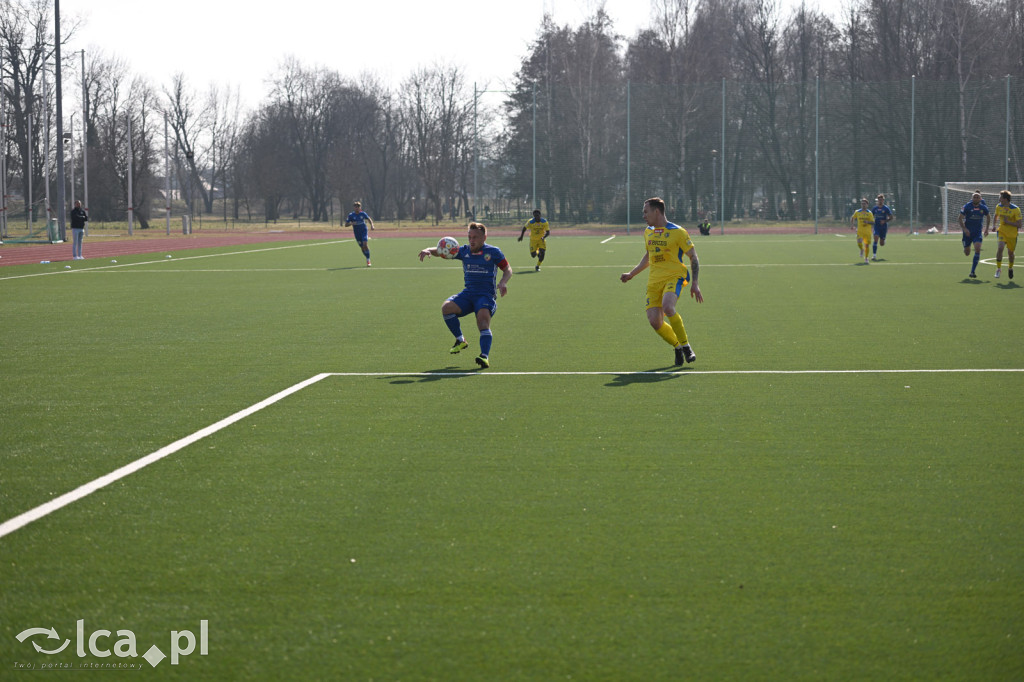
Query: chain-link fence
{"points": [[742, 152]]}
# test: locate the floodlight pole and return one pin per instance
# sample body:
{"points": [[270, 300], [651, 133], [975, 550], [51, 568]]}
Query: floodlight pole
{"points": [[721, 216], [61, 208], [3, 166], [85, 143], [69, 139], [131, 208], [167, 177], [1006, 157], [913, 94], [46, 152], [817, 121], [476, 150], [629, 143], [536, 202]]}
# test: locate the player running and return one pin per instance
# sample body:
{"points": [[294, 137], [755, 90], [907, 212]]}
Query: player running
{"points": [[358, 219], [883, 216], [863, 220], [666, 244], [480, 265], [972, 215], [539, 231], [1008, 223]]}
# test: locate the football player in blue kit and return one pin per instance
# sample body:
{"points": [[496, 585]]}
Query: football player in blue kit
{"points": [[358, 219], [480, 265], [972, 215]]}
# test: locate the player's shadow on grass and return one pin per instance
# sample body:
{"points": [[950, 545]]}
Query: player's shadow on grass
{"points": [[435, 375], [352, 267], [969, 280], [1007, 285], [651, 376]]}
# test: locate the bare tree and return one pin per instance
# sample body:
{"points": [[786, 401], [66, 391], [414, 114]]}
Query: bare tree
{"points": [[26, 49], [437, 112], [310, 101], [190, 120]]}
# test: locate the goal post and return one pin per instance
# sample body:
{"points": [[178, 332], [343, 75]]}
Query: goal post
{"points": [[956, 194]]}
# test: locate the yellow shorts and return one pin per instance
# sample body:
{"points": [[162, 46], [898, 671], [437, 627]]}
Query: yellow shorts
{"points": [[537, 243], [864, 235], [1010, 237], [657, 289]]}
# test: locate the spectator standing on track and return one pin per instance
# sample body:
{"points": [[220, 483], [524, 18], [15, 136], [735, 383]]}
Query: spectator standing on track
{"points": [[78, 220]]}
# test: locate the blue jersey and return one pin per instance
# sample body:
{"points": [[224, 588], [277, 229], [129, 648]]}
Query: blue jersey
{"points": [[358, 219], [481, 269], [882, 213], [974, 215]]}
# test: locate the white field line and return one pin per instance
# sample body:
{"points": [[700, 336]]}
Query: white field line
{"points": [[22, 520], [609, 239], [442, 268], [101, 268], [78, 493], [681, 373]]}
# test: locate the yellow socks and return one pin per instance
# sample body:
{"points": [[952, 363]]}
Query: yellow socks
{"points": [[665, 332], [677, 326]]}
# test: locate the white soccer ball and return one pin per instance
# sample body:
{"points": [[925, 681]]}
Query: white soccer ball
{"points": [[447, 248]]}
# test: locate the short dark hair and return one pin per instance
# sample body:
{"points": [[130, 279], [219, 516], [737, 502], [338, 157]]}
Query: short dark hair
{"points": [[536, 211], [480, 227], [656, 202]]}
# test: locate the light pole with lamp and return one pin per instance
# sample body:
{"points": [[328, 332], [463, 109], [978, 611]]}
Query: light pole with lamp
{"points": [[714, 181]]}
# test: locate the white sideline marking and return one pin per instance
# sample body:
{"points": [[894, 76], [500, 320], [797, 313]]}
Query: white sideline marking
{"points": [[22, 520], [609, 239], [481, 373], [172, 260], [78, 493]]}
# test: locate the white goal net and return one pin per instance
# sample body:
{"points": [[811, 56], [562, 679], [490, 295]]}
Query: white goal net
{"points": [[956, 194]]}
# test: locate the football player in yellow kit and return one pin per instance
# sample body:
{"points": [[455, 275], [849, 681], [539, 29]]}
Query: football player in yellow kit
{"points": [[1008, 223], [539, 232], [667, 243], [863, 220]]}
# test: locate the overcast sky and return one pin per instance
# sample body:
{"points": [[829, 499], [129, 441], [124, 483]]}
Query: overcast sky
{"points": [[237, 44]]}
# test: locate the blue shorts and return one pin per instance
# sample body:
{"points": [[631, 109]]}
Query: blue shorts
{"points": [[971, 237], [881, 230], [359, 233], [469, 302]]}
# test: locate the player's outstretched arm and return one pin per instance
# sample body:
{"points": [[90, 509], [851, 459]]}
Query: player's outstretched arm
{"points": [[432, 251], [640, 267]]}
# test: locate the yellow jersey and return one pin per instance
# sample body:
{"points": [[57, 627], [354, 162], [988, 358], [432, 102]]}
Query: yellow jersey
{"points": [[865, 220], [538, 228], [1005, 213], [666, 251]]}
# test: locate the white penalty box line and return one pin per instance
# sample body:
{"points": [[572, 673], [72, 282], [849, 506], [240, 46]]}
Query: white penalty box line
{"points": [[43, 510]]}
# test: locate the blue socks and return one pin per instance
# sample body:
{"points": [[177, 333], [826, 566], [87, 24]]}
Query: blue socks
{"points": [[485, 342], [874, 248], [974, 263], [453, 324], [456, 329]]}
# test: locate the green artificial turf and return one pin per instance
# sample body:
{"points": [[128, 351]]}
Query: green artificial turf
{"points": [[826, 493]]}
